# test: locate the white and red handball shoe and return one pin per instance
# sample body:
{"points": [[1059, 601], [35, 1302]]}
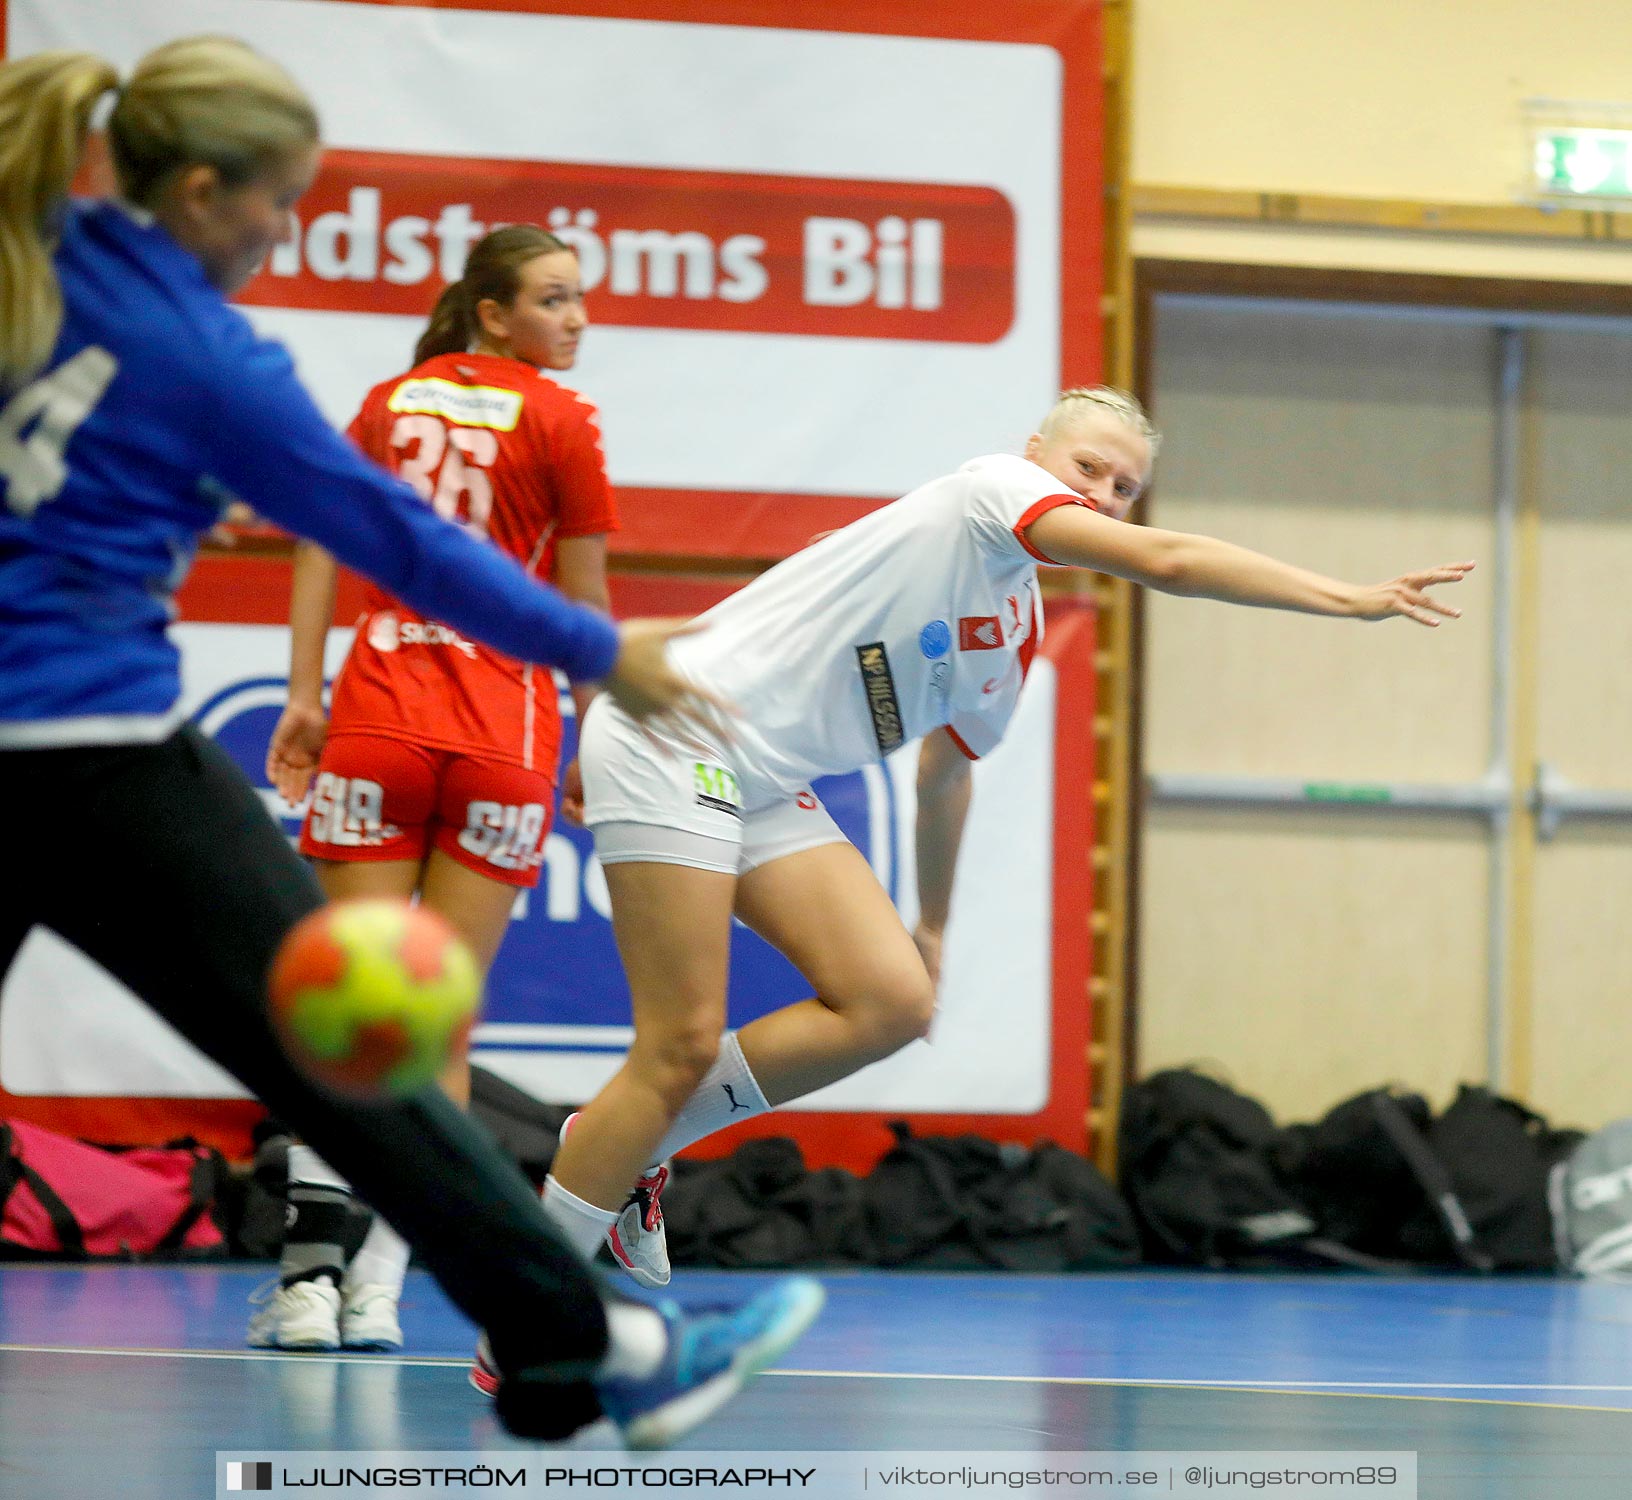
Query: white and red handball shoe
{"points": [[637, 1239]]}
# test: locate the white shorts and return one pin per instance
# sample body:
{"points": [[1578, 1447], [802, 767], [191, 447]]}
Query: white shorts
{"points": [[650, 799]]}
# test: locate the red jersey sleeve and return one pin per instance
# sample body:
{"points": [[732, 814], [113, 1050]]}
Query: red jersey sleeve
{"points": [[585, 506], [365, 429]]}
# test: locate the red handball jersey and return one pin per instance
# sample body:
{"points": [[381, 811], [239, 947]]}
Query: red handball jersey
{"points": [[517, 459]]}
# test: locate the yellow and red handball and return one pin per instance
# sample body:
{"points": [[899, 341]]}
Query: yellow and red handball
{"points": [[371, 998]]}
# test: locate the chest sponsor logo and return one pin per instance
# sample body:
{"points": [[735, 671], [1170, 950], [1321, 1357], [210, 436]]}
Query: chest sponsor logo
{"points": [[935, 640], [716, 786], [979, 633], [882, 703]]}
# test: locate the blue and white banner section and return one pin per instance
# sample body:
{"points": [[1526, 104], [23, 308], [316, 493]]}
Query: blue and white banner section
{"points": [[556, 1020], [828, 1476]]}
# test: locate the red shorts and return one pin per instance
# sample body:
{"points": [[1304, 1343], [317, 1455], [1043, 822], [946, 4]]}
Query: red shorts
{"points": [[377, 799]]}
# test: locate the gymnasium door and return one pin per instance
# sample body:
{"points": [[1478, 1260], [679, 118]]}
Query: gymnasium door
{"points": [[1374, 853]]}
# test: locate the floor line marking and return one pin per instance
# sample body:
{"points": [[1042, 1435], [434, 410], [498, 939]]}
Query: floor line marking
{"points": [[337, 1356], [1259, 1384], [1266, 1386]]}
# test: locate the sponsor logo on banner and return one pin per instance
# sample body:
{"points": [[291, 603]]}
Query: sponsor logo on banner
{"points": [[882, 703], [979, 633], [380, 232], [254, 1476]]}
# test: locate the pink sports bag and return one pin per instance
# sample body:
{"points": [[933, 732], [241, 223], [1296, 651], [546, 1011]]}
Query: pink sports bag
{"points": [[62, 1197]]}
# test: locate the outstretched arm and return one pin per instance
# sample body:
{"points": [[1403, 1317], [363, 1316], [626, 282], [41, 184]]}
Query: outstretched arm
{"points": [[1178, 562], [943, 805]]}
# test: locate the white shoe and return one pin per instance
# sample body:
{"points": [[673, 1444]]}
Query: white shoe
{"points": [[368, 1318], [637, 1239], [304, 1316]]}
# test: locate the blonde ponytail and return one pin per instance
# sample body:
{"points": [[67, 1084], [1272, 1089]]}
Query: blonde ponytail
{"points": [[203, 100], [45, 111]]}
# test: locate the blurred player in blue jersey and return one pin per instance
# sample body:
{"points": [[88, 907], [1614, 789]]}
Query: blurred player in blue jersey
{"points": [[134, 405]]}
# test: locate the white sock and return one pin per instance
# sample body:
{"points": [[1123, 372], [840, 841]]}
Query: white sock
{"points": [[726, 1095], [583, 1224], [636, 1341], [382, 1261]]}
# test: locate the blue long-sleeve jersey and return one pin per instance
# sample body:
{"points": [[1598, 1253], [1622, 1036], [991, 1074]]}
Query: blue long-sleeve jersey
{"points": [[158, 405]]}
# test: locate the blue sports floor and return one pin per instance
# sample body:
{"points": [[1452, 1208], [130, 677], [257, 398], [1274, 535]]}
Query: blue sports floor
{"points": [[126, 1380]]}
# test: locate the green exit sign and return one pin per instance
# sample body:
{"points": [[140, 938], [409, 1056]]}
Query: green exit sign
{"points": [[1576, 162]]}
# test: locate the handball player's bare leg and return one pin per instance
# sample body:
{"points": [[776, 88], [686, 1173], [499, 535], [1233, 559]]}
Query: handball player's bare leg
{"points": [[673, 926], [825, 910], [477, 908]]}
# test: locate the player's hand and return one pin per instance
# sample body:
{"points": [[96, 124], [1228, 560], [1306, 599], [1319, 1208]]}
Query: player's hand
{"points": [[572, 793], [1408, 596], [648, 687], [225, 531], [296, 744], [928, 941]]}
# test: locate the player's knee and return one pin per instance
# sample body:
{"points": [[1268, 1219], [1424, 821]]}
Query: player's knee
{"points": [[903, 1014], [676, 1060], [917, 1009]]}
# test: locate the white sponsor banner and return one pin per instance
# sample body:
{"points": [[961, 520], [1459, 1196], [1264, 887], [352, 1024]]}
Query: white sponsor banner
{"points": [[779, 408]]}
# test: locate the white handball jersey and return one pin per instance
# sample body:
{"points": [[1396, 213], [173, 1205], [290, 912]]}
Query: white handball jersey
{"points": [[922, 614]]}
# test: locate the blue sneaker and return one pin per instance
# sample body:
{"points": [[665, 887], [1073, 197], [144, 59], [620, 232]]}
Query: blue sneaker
{"points": [[713, 1352]]}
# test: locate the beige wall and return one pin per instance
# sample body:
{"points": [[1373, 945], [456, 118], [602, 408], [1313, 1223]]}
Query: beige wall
{"points": [[1397, 101], [1310, 954]]}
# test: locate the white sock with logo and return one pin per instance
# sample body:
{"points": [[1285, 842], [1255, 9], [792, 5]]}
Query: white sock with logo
{"points": [[727, 1094], [382, 1261], [583, 1225]]}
